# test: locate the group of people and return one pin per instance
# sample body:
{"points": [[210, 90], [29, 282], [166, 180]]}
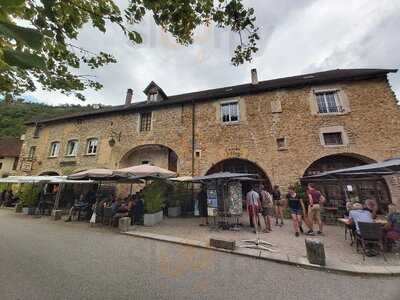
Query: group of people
{"points": [[7, 198], [265, 204], [366, 213], [93, 207]]}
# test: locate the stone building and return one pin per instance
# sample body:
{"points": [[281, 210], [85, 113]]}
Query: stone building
{"points": [[9, 154], [281, 129]]}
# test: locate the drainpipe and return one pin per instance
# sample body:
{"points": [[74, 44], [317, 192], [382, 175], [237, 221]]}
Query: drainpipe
{"points": [[193, 134]]}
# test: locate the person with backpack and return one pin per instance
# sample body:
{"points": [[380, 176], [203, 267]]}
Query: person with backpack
{"points": [[316, 199], [278, 204], [266, 207]]}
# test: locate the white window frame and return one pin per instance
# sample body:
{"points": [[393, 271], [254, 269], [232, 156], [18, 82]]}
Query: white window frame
{"points": [[88, 146], [338, 101], [75, 152], [54, 149], [230, 102]]}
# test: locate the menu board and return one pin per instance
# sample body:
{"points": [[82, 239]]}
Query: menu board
{"points": [[212, 199]]}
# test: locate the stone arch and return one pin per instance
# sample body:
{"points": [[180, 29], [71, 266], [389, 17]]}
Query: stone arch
{"points": [[156, 154], [49, 173], [338, 192], [335, 162], [241, 165]]}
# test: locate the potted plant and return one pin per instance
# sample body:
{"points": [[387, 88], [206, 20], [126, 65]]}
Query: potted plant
{"points": [[154, 198], [176, 196], [29, 195]]}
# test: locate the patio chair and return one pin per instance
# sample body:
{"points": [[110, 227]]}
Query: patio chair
{"points": [[107, 215], [370, 234]]}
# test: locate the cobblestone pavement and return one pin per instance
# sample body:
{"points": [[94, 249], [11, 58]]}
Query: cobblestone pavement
{"points": [[43, 259], [337, 249]]}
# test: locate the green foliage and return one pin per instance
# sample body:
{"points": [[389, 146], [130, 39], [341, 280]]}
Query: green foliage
{"points": [[29, 194], [14, 115], [154, 196], [300, 190], [46, 52], [3, 186], [177, 194]]}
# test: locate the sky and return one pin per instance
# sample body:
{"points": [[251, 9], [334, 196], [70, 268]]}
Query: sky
{"points": [[297, 37]]}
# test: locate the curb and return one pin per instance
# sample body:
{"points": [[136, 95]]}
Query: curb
{"points": [[302, 262]]}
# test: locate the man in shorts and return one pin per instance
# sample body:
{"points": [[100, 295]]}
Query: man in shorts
{"points": [[266, 206], [314, 211], [276, 197], [253, 208]]}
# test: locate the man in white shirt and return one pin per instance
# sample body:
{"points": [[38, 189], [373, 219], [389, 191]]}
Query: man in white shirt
{"points": [[357, 214], [253, 207]]}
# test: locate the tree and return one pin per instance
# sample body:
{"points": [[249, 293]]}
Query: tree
{"points": [[45, 53]]}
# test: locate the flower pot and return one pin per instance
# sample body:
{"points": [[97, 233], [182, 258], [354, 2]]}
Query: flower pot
{"points": [[31, 210], [174, 211], [153, 219]]}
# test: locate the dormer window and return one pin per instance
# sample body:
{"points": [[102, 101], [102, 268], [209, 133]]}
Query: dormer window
{"points": [[154, 92]]}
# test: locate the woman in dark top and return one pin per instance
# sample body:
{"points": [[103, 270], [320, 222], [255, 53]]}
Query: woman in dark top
{"points": [[296, 206]]}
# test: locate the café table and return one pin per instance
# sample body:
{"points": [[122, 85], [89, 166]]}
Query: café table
{"points": [[346, 222]]}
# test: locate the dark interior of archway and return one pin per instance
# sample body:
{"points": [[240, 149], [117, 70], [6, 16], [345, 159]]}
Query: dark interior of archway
{"points": [[49, 174], [237, 165], [333, 162]]}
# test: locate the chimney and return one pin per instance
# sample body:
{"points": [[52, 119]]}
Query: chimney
{"points": [[254, 76], [129, 94]]}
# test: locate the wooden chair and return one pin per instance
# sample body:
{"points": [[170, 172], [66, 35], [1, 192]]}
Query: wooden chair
{"points": [[370, 233]]}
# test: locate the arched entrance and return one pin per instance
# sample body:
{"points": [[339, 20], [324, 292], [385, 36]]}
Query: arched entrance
{"points": [[49, 173], [239, 165], [337, 192], [157, 155]]}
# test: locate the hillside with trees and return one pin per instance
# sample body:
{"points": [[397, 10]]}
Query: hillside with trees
{"points": [[13, 115]]}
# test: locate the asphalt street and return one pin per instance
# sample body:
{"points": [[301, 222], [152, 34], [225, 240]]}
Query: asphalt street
{"points": [[41, 259]]}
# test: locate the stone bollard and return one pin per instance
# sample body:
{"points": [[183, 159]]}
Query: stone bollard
{"points": [[315, 251], [124, 224], [223, 244], [56, 214]]}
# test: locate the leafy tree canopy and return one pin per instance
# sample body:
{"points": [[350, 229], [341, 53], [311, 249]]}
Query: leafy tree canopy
{"points": [[44, 52]]}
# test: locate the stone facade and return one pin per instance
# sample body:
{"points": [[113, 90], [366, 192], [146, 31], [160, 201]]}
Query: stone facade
{"points": [[370, 122], [6, 166]]}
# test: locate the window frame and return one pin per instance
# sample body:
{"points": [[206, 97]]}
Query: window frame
{"points": [[30, 154], [88, 146], [51, 155], [67, 154], [37, 130], [229, 103], [284, 147], [338, 101], [334, 129], [148, 126], [339, 133]]}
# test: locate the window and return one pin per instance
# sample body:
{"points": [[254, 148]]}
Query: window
{"points": [[32, 152], [230, 112], [1, 165], [281, 143], [328, 102], [333, 138], [145, 162], [72, 148], [15, 164], [153, 97], [54, 149], [37, 131], [91, 148], [145, 121]]}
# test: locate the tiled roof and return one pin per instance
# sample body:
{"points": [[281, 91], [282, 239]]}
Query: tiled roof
{"points": [[10, 147], [338, 75]]}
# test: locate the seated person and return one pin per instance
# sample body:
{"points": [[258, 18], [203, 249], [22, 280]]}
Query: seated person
{"points": [[358, 214], [392, 228], [80, 204], [371, 206]]}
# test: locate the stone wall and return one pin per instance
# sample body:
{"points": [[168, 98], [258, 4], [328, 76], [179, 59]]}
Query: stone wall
{"points": [[7, 164], [371, 123]]}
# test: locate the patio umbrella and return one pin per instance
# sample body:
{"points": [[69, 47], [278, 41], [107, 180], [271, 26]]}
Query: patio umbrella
{"points": [[145, 171], [96, 174]]}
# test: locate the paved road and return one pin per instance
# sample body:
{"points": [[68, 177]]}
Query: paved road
{"points": [[40, 259]]}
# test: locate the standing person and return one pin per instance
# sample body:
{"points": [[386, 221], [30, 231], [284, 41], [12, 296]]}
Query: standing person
{"points": [[266, 205], [276, 197], [253, 208], [316, 199], [203, 208], [296, 207], [392, 228]]}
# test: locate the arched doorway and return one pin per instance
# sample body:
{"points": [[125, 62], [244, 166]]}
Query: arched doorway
{"points": [[337, 192], [157, 155], [239, 165], [49, 173]]}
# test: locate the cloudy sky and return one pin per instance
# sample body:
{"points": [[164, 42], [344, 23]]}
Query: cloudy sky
{"points": [[297, 37]]}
